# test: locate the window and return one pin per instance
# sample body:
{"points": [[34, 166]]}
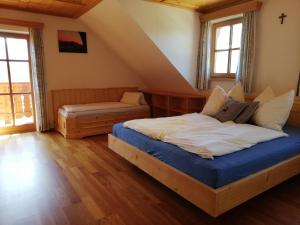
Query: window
{"points": [[226, 43], [16, 98]]}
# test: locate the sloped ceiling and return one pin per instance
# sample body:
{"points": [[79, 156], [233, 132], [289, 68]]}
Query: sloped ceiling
{"points": [[122, 34], [175, 31]]}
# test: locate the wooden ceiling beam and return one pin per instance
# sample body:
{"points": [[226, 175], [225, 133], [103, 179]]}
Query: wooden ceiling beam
{"points": [[233, 10], [202, 6], [63, 8], [31, 10], [86, 8], [22, 23], [220, 5]]}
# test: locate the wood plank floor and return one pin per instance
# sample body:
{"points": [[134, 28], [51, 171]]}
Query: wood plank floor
{"points": [[45, 179]]}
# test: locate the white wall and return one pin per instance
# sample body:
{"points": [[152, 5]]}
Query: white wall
{"points": [[100, 67], [278, 46], [125, 37], [174, 30], [277, 62]]}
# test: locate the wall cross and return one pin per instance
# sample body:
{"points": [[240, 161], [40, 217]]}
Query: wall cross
{"points": [[282, 17]]}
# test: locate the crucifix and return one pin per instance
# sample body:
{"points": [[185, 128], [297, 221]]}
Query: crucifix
{"points": [[282, 17]]}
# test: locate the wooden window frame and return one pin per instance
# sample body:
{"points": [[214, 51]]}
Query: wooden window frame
{"points": [[228, 75], [25, 127]]}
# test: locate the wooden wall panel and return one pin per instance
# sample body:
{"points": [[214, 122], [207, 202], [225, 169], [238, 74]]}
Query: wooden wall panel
{"points": [[65, 8], [203, 6]]}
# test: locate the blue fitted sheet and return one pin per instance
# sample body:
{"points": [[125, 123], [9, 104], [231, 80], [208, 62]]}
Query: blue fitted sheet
{"points": [[223, 169]]}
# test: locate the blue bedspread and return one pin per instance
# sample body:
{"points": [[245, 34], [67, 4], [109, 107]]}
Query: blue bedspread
{"points": [[224, 169]]}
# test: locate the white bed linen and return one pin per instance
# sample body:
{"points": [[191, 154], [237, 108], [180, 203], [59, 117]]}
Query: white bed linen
{"points": [[94, 106], [100, 109], [202, 134]]}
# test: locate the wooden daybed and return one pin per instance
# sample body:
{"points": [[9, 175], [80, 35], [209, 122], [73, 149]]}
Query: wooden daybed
{"points": [[213, 201], [92, 124]]}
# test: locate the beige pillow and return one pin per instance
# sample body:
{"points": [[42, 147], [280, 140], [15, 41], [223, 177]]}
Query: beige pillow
{"points": [[133, 98], [215, 101], [265, 96], [218, 97], [237, 92], [273, 114]]}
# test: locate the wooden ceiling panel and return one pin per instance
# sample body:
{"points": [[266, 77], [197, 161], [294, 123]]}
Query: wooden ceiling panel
{"points": [[65, 8], [203, 6]]}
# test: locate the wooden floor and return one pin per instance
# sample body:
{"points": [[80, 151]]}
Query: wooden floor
{"points": [[45, 179]]}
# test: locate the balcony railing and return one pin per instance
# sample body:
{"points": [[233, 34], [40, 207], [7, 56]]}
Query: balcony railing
{"points": [[22, 104]]}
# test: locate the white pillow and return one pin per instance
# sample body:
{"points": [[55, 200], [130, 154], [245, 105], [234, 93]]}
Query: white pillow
{"points": [[237, 92], [218, 97], [265, 96], [274, 113], [133, 98], [215, 101]]}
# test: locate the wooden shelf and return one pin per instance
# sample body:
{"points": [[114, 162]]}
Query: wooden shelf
{"points": [[173, 104], [174, 113], [161, 107], [179, 103], [160, 100], [159, 112], [182, 111]]}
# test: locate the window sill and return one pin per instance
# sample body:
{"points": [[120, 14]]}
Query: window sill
{"points": [[223, 79]]}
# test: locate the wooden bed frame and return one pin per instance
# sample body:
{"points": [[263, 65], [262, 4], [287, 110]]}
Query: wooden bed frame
{"points": [[213, 201], [75, 128]]}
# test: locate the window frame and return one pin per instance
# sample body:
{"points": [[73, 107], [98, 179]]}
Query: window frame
{"points": [[24, 127], [228, 75]]}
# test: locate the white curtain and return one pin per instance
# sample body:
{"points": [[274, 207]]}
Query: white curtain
{"points": [[203, 69], [247, 54], [38, 77]]}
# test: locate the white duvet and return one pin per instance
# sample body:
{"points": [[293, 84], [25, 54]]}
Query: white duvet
{"points": [[94, 106], [202, 134]]}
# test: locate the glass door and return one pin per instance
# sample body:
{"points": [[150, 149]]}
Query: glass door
{"points": [[16, 96]]}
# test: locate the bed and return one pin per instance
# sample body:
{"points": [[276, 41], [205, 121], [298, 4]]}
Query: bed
{"points": [[218, 185], [85, 112]]}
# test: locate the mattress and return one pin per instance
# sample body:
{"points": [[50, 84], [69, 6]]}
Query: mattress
{"points": [[222, 170], [73, 111]]}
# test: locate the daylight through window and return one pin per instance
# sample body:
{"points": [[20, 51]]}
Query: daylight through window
{"points": [[226, 43]]}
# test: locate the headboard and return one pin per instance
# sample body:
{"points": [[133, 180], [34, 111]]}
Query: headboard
{"points": [[87, 95], [294, 119]]}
